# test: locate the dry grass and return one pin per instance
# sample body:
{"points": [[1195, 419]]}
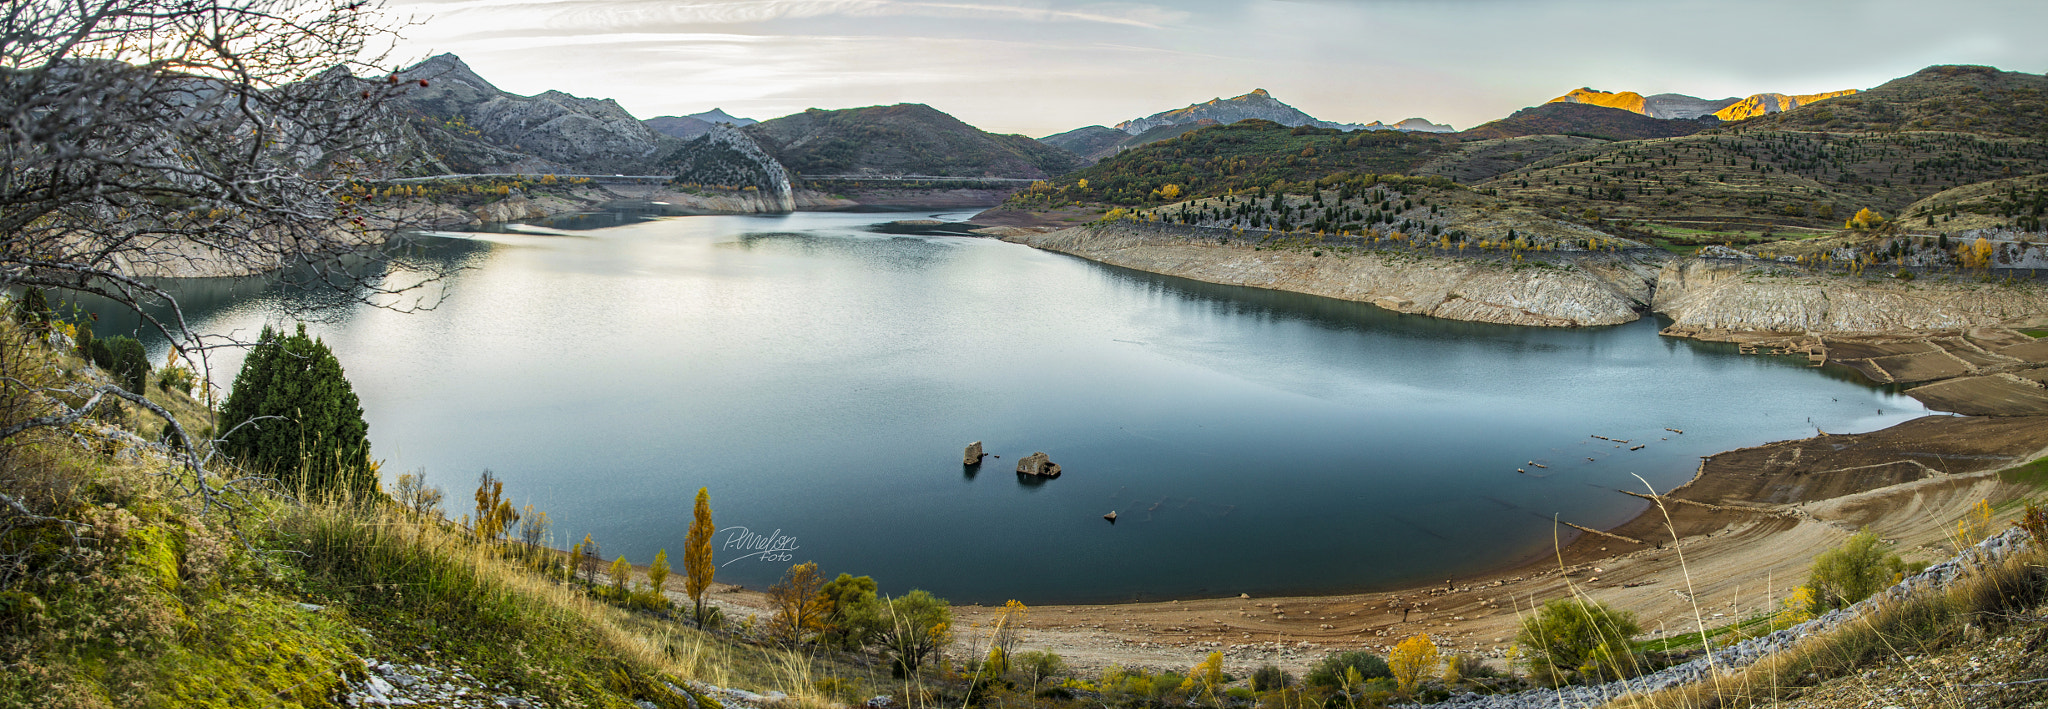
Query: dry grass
{"points": [[480, 602]]}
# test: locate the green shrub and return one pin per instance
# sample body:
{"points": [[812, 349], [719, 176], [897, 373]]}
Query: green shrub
{"points": [[1039, 666], [176, 378], [1861, 566], [1270, 677], [844, 596], [1329, 672], [123, 357], [1570, 637], [32, 308]]}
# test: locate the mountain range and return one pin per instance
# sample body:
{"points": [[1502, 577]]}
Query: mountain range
{"points": [[1261, 105], [1803, 161], [473, 126], [1681, 106]]}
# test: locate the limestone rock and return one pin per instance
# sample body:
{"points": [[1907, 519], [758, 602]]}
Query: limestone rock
{"points": [[1597, 290], [1705, 296], [1111, 516], [1038, 464], [974, 454]]}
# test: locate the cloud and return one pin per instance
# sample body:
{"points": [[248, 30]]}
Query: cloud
{"points": [[616, 13]]}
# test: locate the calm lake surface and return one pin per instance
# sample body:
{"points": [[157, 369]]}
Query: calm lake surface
{"points": [[821, 379]]}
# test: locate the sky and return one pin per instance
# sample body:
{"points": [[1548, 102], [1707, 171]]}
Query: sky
{"points": [[1039, 68]]}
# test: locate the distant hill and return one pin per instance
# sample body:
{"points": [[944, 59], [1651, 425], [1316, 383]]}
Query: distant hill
{"points": [[695, 124], [1969, 99], [1261, 105], [1414, 125], [1246, 155], [1681, 106], [1586, 120], [1091, 142], [684, 127], [1767, 177], [473, 126], [718, 115], [1096, 142], [1255, 105], [904, 139]]}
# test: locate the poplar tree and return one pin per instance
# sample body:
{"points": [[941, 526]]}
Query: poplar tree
{"points": [[697, 553]]}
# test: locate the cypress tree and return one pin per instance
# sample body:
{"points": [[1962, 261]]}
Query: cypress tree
{"points": [[318, 441]]}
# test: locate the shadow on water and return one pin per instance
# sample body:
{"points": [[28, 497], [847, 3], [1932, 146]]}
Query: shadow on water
{"points": [[606, 216], [302, 293], [897, 253]]}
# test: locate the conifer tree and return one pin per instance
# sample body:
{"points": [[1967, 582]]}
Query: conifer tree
{"points": [[293, 415]]}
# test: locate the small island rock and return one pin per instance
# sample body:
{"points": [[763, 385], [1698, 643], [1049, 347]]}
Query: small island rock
{"points": [[1038, 464], [1111, 516], [974, 454]]}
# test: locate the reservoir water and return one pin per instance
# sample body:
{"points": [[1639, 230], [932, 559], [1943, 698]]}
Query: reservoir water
{"points": [[821, 379]]}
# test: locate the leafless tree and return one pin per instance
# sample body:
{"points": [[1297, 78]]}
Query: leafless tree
{"points": [[147, 138]]}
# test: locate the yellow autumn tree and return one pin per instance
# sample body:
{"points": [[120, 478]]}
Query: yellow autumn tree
{"points": [[493, 512], [1007, 628], [697, 553], [1413, 661], [1975, 525], [620, 572], [1977, 254], [799, 601], [657, 576], [1865, 219]]}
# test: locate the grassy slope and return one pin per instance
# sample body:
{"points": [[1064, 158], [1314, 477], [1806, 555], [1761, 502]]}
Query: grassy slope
{"points": [[1479, 160], [1983, 205], [1242, 156], [1777, 177], [162, 604], [1973, 99], [904, 139], [1584, 120]]}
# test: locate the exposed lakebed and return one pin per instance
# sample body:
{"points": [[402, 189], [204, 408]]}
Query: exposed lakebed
{"points": [[821, 379]]}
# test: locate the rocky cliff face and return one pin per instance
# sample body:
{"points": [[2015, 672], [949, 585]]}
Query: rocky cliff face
{"points": [[481, 128], [725, 156], [1703, 297], [1681, 106], [1597, 290], [1764, 104]]}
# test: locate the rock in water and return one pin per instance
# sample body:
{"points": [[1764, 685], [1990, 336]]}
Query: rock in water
{"points": [[974, 454], [1111, 516], [1038, 464]]}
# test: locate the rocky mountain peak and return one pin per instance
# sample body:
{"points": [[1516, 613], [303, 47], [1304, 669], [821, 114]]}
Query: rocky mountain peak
{"points": [[1681, 106]]}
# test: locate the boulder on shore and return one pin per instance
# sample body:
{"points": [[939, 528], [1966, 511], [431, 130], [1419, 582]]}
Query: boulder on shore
{"points": [[974, 454], [1038, 464]]}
